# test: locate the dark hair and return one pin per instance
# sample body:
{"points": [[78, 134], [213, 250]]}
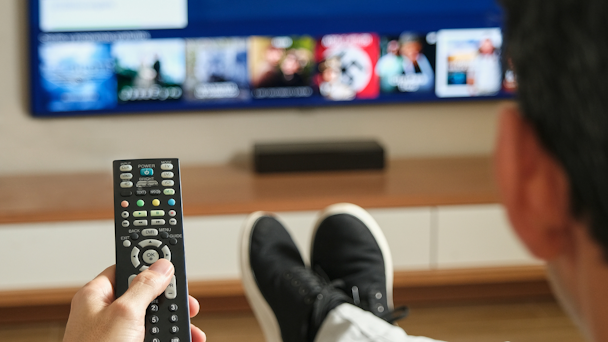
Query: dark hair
{"points": [[559, 50]]}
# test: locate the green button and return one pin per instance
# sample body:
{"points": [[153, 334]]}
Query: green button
{"points": [[156, 213], [140, 213], [169, 192], [140, 203]]}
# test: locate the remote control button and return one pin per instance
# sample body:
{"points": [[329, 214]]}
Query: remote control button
{"points": [[157, 213], [150, 256], [174, 339], [156, 340], [174, 329], [154, 308], [124, 204], [134, 257], [152, 183], [142, 184], [141, 213], [149, 232], [150, 242], [143, 268], [125, 223], [126, 193], [168, 183], [155, 192], [156, 202], [124, 214], [171, 291], [126, 168], [140, 203], [173, 241], [164, 235], [146, 172], [154, 330], [140, 223], [173, 222], [126, 176], [126, 185], [166, 253], [158, 222], [166, 166], [141, 192], [167, 174], [173, 318], [130, 280], [173, 307], [126, 243], [169, 192], [171, 202], [154, 319], [134, 236], [172, 213]]}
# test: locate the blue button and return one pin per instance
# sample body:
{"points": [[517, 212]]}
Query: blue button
{"points": [[171, 202], [146, 172]]}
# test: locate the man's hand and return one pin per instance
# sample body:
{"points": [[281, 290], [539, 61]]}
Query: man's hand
{"points": [[96, 316]]}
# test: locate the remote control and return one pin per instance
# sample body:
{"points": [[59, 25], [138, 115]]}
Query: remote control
{"points": [[149, 226]]}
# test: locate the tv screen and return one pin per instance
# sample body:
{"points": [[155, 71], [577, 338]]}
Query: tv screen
{"points": [[120, 56]]}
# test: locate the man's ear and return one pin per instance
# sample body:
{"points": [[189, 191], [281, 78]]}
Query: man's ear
{"points": [[533, 186]]}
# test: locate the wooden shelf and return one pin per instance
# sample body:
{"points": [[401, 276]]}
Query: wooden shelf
{"points": [[218, 190]]}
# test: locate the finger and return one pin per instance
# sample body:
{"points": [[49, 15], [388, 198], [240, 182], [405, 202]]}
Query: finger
{"points": [[197, 334], [194, 306], [100, 289], [149, 284]]}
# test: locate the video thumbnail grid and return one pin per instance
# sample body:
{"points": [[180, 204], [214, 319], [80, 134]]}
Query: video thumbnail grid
{"points": [[83, 76]]}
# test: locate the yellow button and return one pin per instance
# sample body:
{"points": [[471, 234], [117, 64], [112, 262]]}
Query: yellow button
{"points": [[156, 203]]}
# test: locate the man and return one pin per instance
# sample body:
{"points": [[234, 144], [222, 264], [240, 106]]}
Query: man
{"points": [[552, 170]]}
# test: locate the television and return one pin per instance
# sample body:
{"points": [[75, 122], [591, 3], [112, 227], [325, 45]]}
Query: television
{"points": [[100, 57]]}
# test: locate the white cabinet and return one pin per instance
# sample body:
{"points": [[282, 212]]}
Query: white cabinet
{"points": [[70, 254], [471, 236]]}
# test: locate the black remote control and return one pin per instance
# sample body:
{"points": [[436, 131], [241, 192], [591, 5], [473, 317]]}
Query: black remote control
{"points": [[148, 224]]}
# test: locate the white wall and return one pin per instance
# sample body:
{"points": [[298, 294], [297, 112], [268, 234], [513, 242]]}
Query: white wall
{"points": [[89, 144]]}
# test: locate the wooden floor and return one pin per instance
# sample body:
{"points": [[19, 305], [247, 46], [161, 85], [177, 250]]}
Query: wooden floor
{"points": [[515, 322]]}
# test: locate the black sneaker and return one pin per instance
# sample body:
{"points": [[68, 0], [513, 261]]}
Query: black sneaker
{"points": [[348, 245], [289, 301]]}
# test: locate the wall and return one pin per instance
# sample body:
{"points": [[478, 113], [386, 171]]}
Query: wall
{"points": [[89, 144]]}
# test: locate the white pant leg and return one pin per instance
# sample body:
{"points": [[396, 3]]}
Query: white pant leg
{"points": [[348, 323]]}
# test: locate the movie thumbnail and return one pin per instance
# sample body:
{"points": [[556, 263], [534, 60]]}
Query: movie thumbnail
{"points": [[281, 67], [346, 64], [77, 76], [468, 62], [150, 70], [217, 70], [407, 64]]}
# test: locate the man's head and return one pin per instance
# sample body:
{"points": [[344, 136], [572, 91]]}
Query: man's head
{"points": [[552, 153]]}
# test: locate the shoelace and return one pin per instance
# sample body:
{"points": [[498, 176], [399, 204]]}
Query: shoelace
{"points": [[390, 316], [322, 295]]}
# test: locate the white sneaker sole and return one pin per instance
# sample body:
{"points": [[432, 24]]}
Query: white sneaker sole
{"points": [[264, 314], [374, 228]]}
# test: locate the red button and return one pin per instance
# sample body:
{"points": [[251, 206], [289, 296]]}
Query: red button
{"points": [[124, 204]]}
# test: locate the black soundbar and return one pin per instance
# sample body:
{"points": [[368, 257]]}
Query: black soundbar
{"points": [[318, 156]]}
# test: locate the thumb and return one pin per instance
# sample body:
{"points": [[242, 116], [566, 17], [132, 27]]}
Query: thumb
{"points": [[149, 284]]}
